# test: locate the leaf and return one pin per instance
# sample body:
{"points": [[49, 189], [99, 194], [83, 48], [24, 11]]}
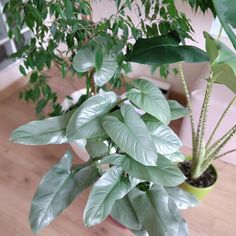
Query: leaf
{"points": [[57, 190], [86, 121], [164, 50], [48, 131], [87, 58], [164, 173], [123, 212], [96, 148], [22, 70], [226, 11], [163, 217], [131, 135], [109, 188], [149, 98], [182, 199], [176, 157], [177, 110], [165, 140], [141, 232]]}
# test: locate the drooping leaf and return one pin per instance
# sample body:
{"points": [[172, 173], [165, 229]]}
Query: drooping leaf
{"points": [[96, 147], [182, 199], [150, 99], [57, 190], [226, 11], [163, 216], [164, 50], [164, 173], [109, 188], [105, 64], [177, 110], [131, 135], [123, 212], [165, 140], [86, 121], [48, 131]]}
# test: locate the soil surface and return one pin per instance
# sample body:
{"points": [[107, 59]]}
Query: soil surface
{"points": [[207, 179]]}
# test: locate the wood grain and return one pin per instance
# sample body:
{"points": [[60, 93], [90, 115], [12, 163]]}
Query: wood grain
{"points": [[21, 168]]}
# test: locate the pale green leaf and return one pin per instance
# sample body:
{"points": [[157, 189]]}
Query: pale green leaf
{"points": [[96, 148], [177, 110], [131, 136], [176, 157]]}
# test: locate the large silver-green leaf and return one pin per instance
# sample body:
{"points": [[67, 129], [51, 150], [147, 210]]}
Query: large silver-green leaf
{"points": [[182, 199], [226, 11], [57, 190], [86, 121], [131, 135], [164, 173], [165, 140], [141, 232], [176, 157], [177, 110], [150, 99], [48, 131], [109, 188], [85, 59], [96, 147], [123, 212], [162, 216]]}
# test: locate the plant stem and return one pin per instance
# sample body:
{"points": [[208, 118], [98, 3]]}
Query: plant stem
{"points": [[221, 119], [220, 32], [226, 153], [189, 103]]}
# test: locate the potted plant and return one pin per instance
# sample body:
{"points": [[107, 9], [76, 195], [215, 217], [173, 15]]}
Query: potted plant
{"points": [[133, 157], [201, 174]]}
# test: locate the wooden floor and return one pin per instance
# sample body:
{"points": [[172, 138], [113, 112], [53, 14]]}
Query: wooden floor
{"points": [[21, 168]]}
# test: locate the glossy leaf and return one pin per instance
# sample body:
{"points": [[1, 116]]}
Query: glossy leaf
{"points": [[131, 135], [150, 99], [86, 121], [226, 11], [141, 232], [165, 140], [163, 217], [176, 157], [48, 131], [177, 110], [57, 190], [123, 212], [164, 50], [87, 58], [109, 188], [164, 173], [96, 148]]}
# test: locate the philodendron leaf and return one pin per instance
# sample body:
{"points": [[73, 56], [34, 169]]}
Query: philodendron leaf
{"points": [[163, 216], [86, 121], [96, 148], [57, 190], [182, 199], [150, 99], [123, 212], [164, 173], [176, 157], [177, 110], [141, 232], [222, 62], [48, 131], [165, 140], [105, 64], [109, 188], [164, 50], [226, 11], [131, 135]]}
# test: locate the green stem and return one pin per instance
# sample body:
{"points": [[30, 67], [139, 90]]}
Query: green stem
{"points": [[189, 103], [221, 119], [226, 153], [220, 32]]}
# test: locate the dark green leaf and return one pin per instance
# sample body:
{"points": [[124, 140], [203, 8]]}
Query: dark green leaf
{"points": [[22, 70]]}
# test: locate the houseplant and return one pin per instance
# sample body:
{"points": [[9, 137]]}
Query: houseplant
{"points": [[199, 170], [140, 151]]}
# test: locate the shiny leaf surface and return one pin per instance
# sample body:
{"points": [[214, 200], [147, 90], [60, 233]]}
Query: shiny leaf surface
{"points": [[96, 148]]}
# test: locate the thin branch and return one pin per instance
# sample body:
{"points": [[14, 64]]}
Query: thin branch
{"points": [[225, 153], [189, 103], [221, 119]]}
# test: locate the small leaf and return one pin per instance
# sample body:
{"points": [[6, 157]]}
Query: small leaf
{"points": [[96, 148], [164, 173], [109, 188], [98, 59], [150, 99], [177, 110], [57, 190], [131, 135], [22, 70], [86, 121], [48, 131]]}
